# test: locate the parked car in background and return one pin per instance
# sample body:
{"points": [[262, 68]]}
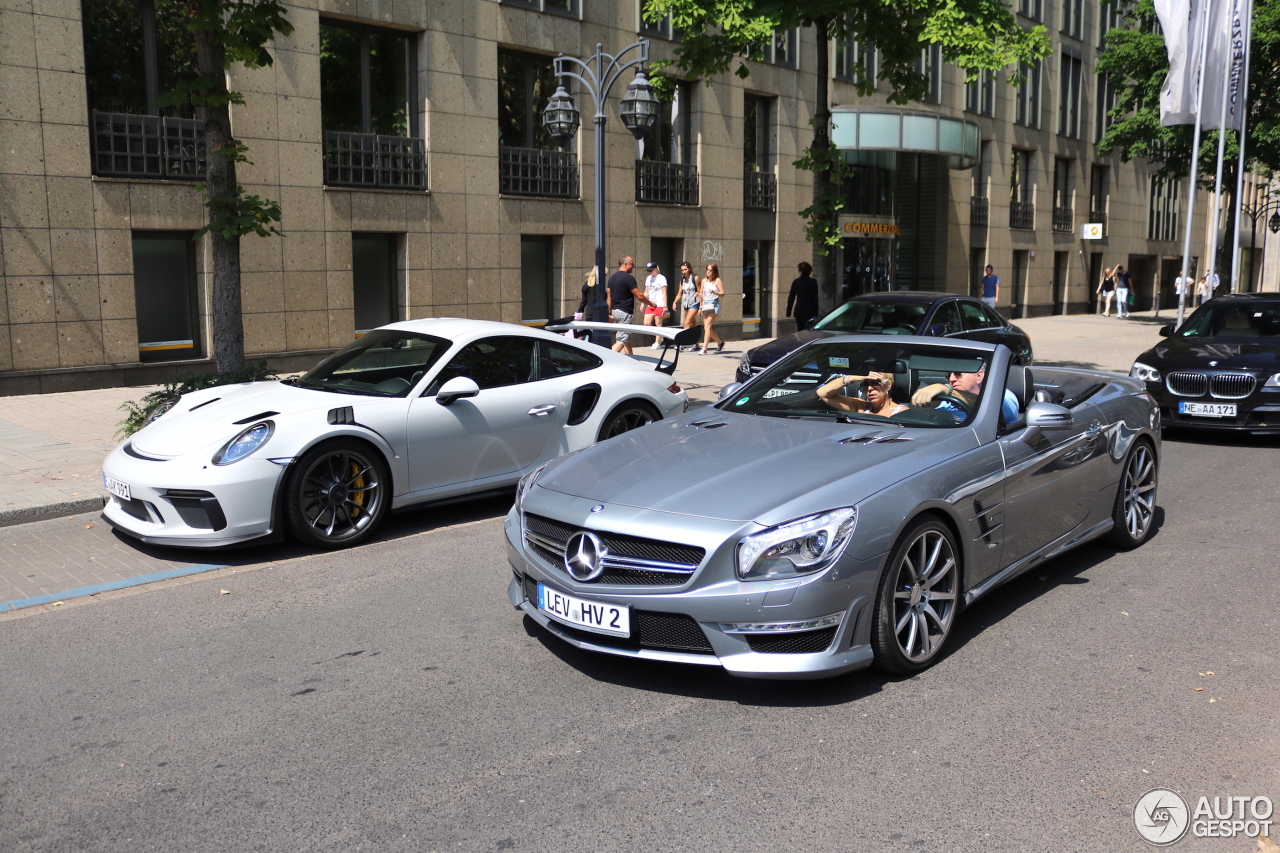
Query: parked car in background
{"points": [[408, 413], [779, 536], [906, 312], [1221, 368]]}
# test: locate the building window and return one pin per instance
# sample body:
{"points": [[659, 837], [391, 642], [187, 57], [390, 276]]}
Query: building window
{"points": [[855, 61], [1162, 223], [135, 51], [1033, 9], [567, 8], [164, 287], [1108, 20], [1063, 196], [782, 47], [760, 189], [1069, 96], [537, 296], [979, 203], [1099, 194], [368, 108], [980, 94], [661, 28], [1073, 18], [665, 172], [930, 65], [1027, 97], [530, 162], [1022, 209], [373, 280], [1106, 103]]}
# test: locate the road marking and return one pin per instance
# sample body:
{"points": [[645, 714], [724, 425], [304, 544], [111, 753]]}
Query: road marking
{"points": [[80, 592]]}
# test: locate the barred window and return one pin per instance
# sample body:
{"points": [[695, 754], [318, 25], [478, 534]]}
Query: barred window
{"points": [[1162, 223]]}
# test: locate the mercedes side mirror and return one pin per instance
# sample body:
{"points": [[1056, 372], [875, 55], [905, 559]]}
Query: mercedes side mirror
{"points": [[456, 389], [729, 390], [1166, 331]]}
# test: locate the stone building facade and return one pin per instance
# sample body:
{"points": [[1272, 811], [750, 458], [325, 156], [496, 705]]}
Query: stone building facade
{"points": [[401, 141]]}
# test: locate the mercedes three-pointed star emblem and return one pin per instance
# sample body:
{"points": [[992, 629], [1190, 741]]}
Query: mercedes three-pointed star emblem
{"points": [[584, 556]]}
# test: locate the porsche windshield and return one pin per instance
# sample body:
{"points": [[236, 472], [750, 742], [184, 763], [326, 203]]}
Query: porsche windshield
{"points": [[868, 316], [1238, 320], [910, 385], [382, 363]]}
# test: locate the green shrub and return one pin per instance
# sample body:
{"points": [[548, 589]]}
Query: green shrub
{"points": [[137, 412]]}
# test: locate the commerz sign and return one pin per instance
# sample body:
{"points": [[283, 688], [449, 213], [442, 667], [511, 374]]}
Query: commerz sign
{"points": [[852, 227]]}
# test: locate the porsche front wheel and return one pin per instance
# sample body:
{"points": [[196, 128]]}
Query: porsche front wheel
{"points": [[337, 494]]}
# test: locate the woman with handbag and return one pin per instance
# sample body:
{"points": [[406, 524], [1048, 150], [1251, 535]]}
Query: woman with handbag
{"points": [[1106, 289], [1123, 284]]}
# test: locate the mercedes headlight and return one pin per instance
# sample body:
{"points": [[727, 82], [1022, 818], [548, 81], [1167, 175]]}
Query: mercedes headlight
{"points": [[1145, 372], [526, 483], [244, 443], [1273, 382], [799, 547], [745, 364]]}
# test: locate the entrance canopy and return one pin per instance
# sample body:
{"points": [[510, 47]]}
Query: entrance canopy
{"points": [[922, 133]]}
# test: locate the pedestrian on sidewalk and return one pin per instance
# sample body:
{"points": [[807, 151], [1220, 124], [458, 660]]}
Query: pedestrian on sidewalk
{"points": [[690, 295], [655, 287], [712, 293], [1107, 289], [991, 287], [1202, 290], [622, 293], [803, 297], [1180, 288], [1124, 283]]}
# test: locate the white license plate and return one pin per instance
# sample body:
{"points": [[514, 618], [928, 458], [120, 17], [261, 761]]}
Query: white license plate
{"points": [[115, 487], [612, 619], [1208, 410]]}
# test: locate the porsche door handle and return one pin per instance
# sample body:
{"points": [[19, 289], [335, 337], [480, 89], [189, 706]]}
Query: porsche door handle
{"points": [[541, 411]]}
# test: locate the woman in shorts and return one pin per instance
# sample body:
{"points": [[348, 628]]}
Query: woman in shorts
{"points": [[712, 293], [690, 300]]}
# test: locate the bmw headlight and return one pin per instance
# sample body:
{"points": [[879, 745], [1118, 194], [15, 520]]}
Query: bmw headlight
{"points": [[1145, 372], [526, 483], [799, 547], [1273, 382], [244, 443]]}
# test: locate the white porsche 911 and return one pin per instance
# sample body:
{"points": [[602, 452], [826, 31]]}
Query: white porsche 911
{"points": [[412, 412]]}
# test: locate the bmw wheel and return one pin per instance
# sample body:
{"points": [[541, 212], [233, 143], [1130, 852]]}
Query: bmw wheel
{"points": [[625, 418], [337, 494], [917, 600], [1135, 499]]}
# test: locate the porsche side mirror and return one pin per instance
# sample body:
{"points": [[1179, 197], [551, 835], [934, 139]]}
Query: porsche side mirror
{"points": [[455, 389], [729, 390], [936, 330], [1166, 331]]}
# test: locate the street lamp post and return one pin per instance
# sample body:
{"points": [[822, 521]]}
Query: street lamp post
{"points": [[639, 111], [1255, 211]]}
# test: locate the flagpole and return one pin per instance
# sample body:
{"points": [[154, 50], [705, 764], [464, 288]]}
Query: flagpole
{"points": [[1195, 169], [1244, 128], [1216, 212]]}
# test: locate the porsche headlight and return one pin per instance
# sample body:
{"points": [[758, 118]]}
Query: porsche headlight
{"points": [[1273, 382], [244, 443], [160, 410], [799, 547], [526, 483], [1145, 372]]}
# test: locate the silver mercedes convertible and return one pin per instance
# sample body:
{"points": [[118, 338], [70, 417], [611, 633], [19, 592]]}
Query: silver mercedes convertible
{"points": [[838, 510]]}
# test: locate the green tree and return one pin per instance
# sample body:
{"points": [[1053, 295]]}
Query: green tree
{"points": [[1136, 63], [227, 32], [974, 34]]}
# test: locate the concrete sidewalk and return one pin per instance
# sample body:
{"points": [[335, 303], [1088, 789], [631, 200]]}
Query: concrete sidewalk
{"points": [[52, 445]]}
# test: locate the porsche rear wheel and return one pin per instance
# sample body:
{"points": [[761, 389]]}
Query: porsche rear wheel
{"points": [[337, 494], [625, 418], [1135, 507], [917, 600]]}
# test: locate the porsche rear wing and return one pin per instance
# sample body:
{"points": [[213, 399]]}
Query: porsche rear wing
{"points": [[671, 336]]}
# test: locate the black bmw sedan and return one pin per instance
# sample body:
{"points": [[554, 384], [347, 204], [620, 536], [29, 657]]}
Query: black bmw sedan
{"points": [[1221, 368], [904, 312]]}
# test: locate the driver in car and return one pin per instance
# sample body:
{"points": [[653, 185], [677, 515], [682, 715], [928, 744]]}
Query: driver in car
{"points": [[960, 394], [875, 385]]}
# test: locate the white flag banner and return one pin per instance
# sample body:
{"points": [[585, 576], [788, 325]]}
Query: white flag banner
{"points": [[1226, 56], [1179, 19]]}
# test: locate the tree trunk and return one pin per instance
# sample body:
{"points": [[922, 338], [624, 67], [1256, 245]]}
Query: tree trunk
{"points": [[220, 183], [824, 262]]}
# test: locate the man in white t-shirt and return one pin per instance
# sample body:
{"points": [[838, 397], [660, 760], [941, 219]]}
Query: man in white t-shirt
{"points": [[655, 287], [1180, 285]]}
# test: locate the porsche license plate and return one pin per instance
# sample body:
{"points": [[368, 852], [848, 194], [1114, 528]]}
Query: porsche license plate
{"points": [[612, 619], [116, 487], [1208, 410]]}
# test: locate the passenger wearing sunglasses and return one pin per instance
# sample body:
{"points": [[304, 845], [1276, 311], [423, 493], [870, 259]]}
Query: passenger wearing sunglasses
{"points": [[876, 387]]}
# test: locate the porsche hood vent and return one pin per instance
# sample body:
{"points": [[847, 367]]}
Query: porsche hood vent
{"points": [[256, 417]]}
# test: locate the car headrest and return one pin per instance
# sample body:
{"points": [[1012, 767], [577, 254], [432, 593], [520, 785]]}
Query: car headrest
{"points": [[1021, 385], [1238, 321]]}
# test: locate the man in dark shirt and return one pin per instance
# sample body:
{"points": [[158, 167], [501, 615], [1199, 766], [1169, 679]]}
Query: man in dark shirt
{"points": [[622, 293], [803, 297]]}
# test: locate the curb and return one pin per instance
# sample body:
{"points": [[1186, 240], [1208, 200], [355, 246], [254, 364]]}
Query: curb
{"points": [[44, 512]]}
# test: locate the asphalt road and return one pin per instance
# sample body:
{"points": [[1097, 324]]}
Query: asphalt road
{"points": [[390, 699]]}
